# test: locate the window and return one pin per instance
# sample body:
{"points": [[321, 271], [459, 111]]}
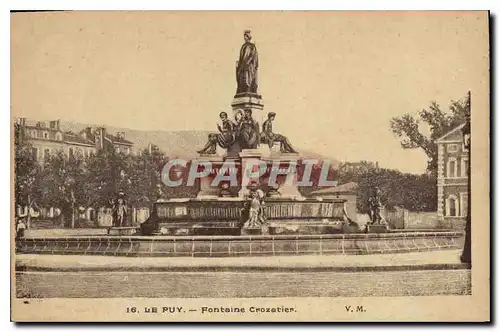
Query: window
{"points": [[34, 153], [117, 149], [464, 167], [452, 148], [46, 153], [452, 206], [70, 152], [452, 168], [45, 135], [58, 136], [464, 202]]}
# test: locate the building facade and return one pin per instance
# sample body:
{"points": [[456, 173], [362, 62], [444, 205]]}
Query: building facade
{"points": [[46, 138], [452, 182], [103, 140]]}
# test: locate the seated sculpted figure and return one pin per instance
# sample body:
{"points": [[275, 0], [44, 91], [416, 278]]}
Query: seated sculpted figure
{"points": [[248, 131], [224, 138], [269, 137]]}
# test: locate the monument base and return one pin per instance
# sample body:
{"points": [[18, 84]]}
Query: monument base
{"points": [[303, 227], [376, 228], [247, 100], [206, 190], [251, 231], [123, 231]]}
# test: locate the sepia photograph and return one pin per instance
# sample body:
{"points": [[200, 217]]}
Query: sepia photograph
{"points": [[255, 166]]}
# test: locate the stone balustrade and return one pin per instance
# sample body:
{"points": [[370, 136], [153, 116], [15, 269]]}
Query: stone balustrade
{"points": [[226, 246]]}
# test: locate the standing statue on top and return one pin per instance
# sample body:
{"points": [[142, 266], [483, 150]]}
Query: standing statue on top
{"points": [[247, 66]]}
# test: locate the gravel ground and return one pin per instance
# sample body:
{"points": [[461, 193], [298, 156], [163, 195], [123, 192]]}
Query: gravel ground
{"points": [[411, 274]]}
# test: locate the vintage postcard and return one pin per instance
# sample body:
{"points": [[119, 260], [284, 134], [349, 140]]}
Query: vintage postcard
{"points": [[250, 166]]}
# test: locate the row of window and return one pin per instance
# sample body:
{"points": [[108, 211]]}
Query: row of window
{"points": [[457, 167], [71, 152], [44, 135], [125, 150], [86, 152]]}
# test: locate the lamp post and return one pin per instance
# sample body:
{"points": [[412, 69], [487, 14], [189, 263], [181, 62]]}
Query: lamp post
{"points": [[466, 253], [71, 184]]}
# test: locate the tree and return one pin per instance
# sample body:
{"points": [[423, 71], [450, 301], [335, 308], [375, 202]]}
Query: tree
{"points": [[63, 183], [407, 128], [26, 172], [145, 176], [410, 191]]}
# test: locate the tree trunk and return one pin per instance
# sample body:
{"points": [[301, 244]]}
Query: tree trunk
{"points": [[72, 209], [28, 217]]}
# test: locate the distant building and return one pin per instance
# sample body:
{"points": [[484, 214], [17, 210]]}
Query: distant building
{"points": [[104, 140], [47, 137], [358, 167], [452, 183]]}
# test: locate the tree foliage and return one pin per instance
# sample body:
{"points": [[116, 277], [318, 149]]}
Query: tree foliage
{"points": [[63, 183], [26, 170], [407, 128], [410, 191]]}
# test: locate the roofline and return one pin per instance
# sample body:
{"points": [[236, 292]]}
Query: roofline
{"points": [[123, 143], [42, 128], [63, 142], [448, 133], [78, 143]]}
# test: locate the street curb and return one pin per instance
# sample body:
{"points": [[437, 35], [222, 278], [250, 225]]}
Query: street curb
{"points": [[235, 268]]}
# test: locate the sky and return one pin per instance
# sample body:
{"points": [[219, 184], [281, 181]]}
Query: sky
{"points": [[334, 79]]}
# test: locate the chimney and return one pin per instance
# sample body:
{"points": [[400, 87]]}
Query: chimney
{"points": [[100, 137], [87, 133]]}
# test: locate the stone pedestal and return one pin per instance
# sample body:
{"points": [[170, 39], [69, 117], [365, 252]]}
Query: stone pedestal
{"points": [[206, 191], [241, 102], [247, 156], [287, 181], [248, 100]]}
